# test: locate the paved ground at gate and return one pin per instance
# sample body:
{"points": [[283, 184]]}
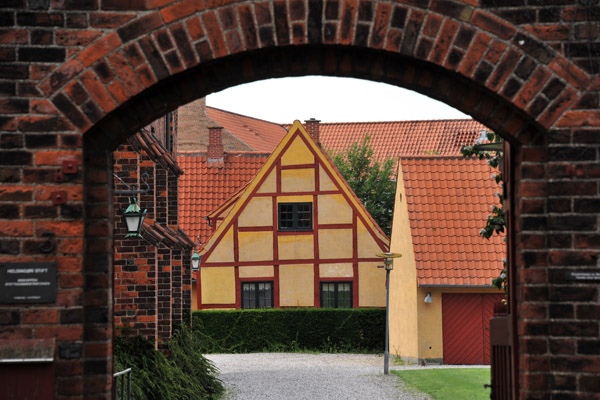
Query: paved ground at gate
{"points": [[308, 376]]}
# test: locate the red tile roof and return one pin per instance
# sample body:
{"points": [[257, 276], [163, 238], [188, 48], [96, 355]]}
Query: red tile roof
{"points": [[448, 201], [204, 186], [389, 139], [260, 135], [403, 138], [145, 140]]}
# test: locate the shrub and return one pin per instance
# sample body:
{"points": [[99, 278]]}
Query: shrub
{"points": [[184, 374], [308, 329]]}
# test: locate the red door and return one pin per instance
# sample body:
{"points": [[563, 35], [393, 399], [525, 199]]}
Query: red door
{"points": [[465, 325], [27, 381]]}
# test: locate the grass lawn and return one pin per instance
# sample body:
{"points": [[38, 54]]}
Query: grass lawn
{"points": [[449, 384]]}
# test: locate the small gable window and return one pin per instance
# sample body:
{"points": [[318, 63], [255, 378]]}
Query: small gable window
{"points": [[257, 295], [336, 294], [295, 217]]}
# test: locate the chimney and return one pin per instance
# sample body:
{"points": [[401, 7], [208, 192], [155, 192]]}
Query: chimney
{"points": [[215, 144], [202, 106], [312, 127]]}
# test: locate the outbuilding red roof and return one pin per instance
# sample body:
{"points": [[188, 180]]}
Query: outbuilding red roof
{"points": [[205, 185], [449, 199]]}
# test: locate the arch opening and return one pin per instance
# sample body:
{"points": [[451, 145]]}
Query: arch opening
{"points": [[469, 97]]}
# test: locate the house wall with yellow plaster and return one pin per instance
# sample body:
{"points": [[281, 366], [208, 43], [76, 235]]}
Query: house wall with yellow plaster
{"points": [[221, 281], [404, 332], [249, 246]]}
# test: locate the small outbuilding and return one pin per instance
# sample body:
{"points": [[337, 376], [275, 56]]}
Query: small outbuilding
{"points": [[441, 293]]}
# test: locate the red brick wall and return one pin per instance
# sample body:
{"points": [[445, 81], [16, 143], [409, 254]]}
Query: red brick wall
{"points": [[79, 77], [134, 262], [148, 274]]}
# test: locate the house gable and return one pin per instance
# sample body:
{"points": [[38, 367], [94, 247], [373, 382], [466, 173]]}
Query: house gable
{"points": [[342, 233]]}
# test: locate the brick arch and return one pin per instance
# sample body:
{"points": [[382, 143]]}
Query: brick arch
{"points": [[145, 57], [445, 86], [444, 51], [466, 58]]}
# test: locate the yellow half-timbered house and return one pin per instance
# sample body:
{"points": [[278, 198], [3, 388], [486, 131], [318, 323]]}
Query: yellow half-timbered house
{"points": [[295, 236]]}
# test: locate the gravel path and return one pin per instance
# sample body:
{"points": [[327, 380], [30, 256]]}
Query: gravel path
{"points": [[308, 376]]}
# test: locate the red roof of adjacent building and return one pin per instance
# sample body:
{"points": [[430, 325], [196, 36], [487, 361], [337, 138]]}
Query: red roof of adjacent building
{"points": [[259, 135], [204, 186], [403, 138], [449, 199]]}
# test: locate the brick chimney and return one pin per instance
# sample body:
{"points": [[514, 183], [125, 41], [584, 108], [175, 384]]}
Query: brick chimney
{"points": [[312, 127], [215, 144], [202, 106]]}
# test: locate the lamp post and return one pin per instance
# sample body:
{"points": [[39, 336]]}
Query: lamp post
{"points": [[134, 218], [388, 265]]}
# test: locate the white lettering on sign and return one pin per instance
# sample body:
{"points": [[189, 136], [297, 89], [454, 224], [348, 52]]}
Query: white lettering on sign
{"points": [[27, 283], [585, 276], [20, 270]]}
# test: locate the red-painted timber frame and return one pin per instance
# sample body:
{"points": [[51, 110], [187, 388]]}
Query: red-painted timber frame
{"points": [[316, 260]]}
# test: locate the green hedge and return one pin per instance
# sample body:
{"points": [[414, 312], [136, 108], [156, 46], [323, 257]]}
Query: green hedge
{"points": [[312, 329]]}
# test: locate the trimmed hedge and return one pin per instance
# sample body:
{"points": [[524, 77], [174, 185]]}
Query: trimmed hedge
{"points": [[302, 329]]}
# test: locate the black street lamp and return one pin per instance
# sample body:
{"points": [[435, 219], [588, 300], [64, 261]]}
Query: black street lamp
{"points": [[134, 219]]}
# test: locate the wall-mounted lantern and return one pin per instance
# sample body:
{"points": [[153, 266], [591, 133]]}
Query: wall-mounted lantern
{"points": [[428, 298], [195, 256], [195, 261], [134, 219]]}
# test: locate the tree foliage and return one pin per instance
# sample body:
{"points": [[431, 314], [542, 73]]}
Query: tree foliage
{"points": [[496, 221], [372, 182]]}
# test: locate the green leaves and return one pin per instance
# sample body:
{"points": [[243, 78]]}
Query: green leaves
{"points": [[372, 182], [496, 221]]}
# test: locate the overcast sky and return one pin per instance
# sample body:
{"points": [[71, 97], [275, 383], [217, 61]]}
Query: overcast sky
{"points": [[329, 100]]}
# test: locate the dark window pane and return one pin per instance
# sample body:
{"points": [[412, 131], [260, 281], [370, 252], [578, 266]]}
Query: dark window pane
{"points": [[336, 294], [248, 295], [295, 216], [304, 218], [344, 295], [328, 295], [286, 215], [257, 295], [264, 290]]}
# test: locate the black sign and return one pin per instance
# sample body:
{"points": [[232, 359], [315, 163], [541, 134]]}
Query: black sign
{"points": [[28, 282], [583, 276]]}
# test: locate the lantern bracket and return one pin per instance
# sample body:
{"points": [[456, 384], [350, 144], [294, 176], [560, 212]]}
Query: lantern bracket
{"points": [[134, 189]]}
